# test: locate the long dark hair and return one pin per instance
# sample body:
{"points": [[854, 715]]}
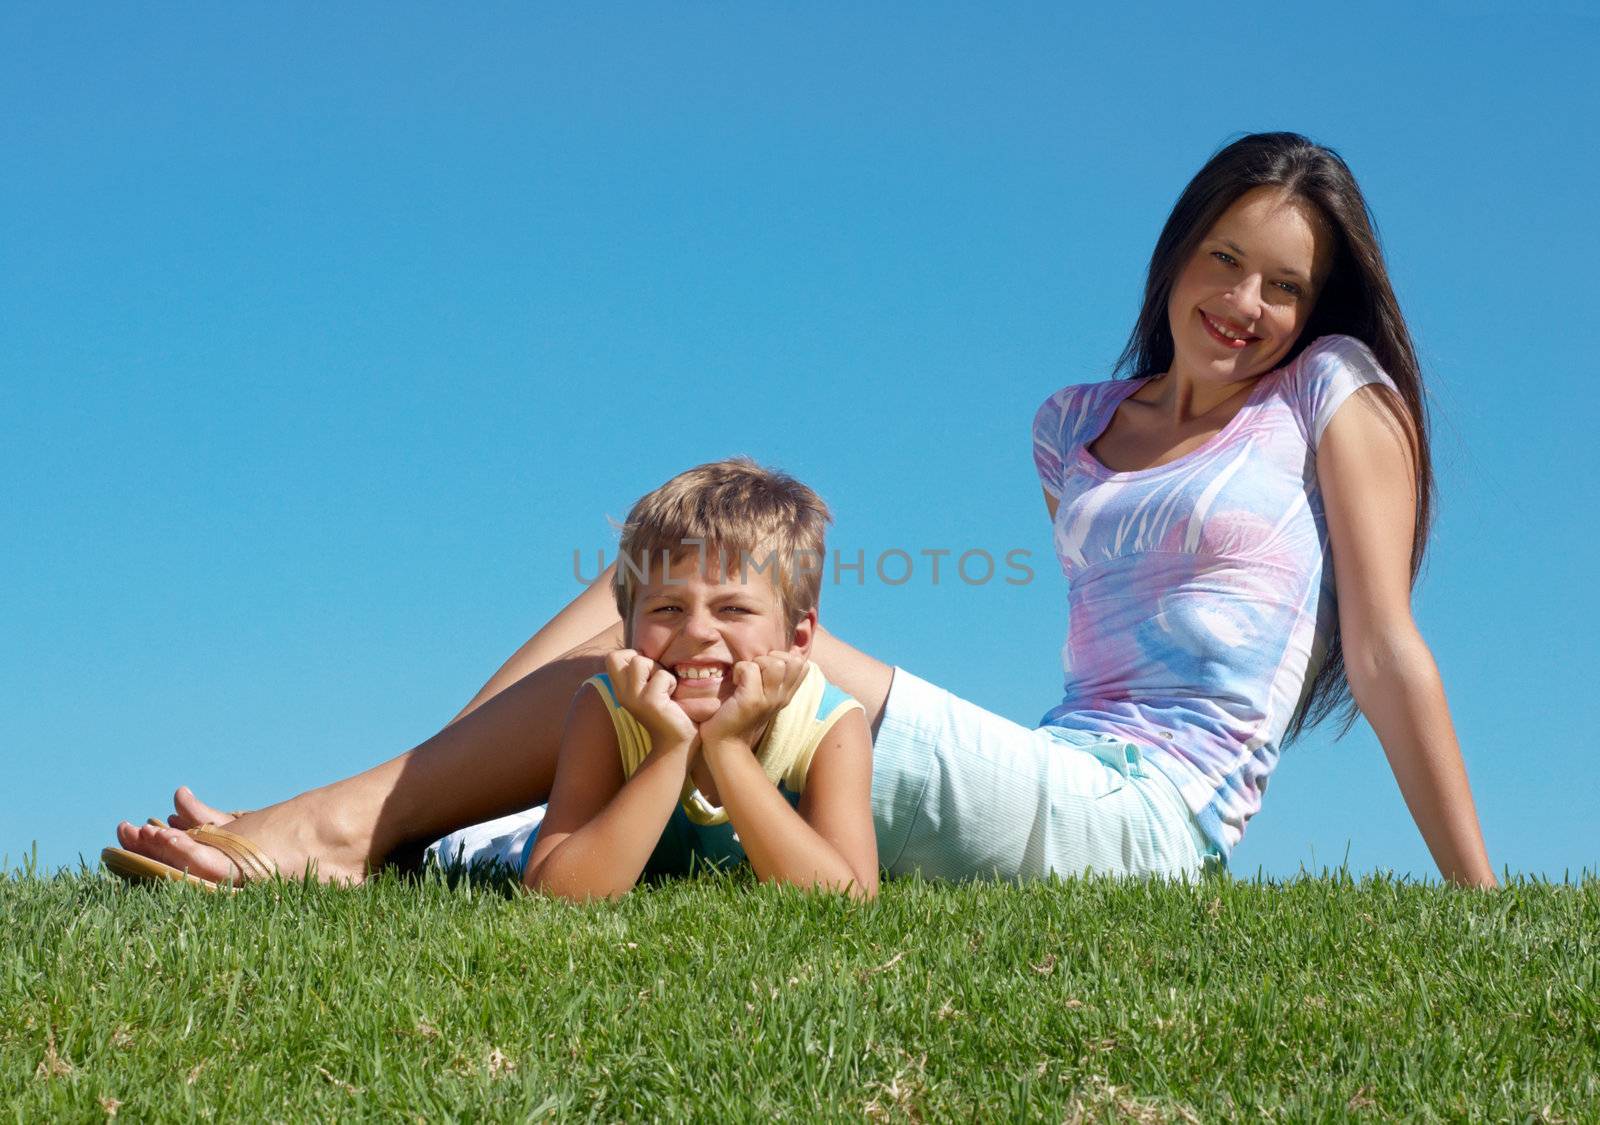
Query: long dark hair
{"points": [[1357, 300]]}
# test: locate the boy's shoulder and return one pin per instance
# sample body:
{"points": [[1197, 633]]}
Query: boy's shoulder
{"points": [[834, 701], [601, 682]]}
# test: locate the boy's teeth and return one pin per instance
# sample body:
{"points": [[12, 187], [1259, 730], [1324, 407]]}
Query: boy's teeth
{"points": [[699, 673]]}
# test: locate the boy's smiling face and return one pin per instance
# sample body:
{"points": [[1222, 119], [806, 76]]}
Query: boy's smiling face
{"points": [[697, 623]]}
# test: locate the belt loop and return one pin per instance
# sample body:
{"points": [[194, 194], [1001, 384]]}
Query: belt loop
{"points": [[1123, 756], [1135, 759]]}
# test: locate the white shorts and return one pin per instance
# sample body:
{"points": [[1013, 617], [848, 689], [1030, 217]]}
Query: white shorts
{"points": [[962, 793], [507, 841]]}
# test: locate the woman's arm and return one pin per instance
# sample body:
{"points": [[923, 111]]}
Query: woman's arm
{"points": [[600, 828], [1365, 470], [830, 842]]}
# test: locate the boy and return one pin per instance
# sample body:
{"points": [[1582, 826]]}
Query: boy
{"points": [[711, 735]]}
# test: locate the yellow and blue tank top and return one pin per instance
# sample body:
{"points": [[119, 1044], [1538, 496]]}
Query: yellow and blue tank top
{"points": [[699, 832]]}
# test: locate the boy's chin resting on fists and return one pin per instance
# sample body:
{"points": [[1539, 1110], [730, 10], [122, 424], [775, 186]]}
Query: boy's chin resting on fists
{"points": [[761, 688]]}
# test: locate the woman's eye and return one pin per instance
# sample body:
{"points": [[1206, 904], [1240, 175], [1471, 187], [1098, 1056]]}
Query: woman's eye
{"points": [[1224, 258], [1290, 288]]}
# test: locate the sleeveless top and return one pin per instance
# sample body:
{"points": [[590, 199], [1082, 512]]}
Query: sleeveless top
{"points": [[1201, 592], [699, 832]]}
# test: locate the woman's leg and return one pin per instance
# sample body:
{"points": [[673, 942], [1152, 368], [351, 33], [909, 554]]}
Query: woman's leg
{"points": [[581, 623], [585, 618], [498, 755]]}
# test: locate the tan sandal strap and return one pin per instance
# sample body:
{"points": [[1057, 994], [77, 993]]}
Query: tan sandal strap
{"points": [[252, 862]]}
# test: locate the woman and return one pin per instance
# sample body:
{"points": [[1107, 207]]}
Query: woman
{"points": [[1272, 429]]}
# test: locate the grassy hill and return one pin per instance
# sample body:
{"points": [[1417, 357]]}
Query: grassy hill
{"points": [[718, 999]]}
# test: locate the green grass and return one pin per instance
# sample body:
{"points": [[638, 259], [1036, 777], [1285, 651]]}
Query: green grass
{"points": [[714, 998]]}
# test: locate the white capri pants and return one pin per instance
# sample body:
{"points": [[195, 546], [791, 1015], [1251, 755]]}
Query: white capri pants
{"points": [[962, 793]]}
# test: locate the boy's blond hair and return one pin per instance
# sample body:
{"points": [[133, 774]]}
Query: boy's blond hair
{"points": [[756, 520]]}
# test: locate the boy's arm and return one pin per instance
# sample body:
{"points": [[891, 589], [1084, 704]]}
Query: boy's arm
{"points": [[600, 828], [830, 841]]}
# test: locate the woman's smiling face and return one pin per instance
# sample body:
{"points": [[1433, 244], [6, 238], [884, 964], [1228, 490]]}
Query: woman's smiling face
{"points": [[1241, 301]]}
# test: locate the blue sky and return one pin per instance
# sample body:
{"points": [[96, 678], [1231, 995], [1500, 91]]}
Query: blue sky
{"points": [[327, 337]]}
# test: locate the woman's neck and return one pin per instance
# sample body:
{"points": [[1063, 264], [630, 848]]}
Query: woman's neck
{"points": [[1182, 399]]}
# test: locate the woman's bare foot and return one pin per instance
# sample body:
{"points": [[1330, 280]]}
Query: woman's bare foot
{"points": [[496, 758], [298, 839]]}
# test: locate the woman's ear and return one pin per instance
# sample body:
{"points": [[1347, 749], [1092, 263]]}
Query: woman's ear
{"points": [[805, 631]]}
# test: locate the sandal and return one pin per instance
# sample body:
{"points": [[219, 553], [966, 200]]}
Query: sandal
{"points": [[250, 861]]}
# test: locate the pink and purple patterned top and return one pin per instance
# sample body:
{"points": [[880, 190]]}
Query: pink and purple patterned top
{"points": [[1201, 591]]}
